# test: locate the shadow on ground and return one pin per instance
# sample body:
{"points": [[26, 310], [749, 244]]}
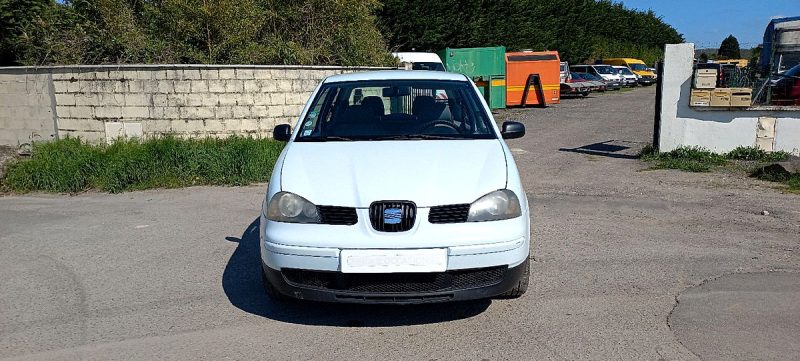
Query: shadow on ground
{"points": [[242, 284], [610, 148]]}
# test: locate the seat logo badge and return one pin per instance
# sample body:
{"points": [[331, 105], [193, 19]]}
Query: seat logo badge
{"points": [[392, 215]]}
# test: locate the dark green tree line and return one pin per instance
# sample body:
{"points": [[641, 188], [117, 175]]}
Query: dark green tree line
{"points": [[580, 30], [40, 32]]}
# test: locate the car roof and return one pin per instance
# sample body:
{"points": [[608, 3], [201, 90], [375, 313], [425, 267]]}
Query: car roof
{"points": [[395, 75], [418, 57]]}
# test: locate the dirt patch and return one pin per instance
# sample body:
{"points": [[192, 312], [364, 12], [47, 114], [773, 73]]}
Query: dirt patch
{"points": [[7, 154]]}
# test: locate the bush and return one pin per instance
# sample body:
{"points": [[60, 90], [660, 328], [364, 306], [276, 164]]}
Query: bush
{"points": [[756, 154], [70, 165], [692, 159]]}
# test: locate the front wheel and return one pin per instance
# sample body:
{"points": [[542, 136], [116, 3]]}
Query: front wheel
{"points": [[522, 284]]}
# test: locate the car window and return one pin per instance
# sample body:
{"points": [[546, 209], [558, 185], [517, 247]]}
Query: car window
{"points": [[427, 66], [607, 69], [639, 67], [795, 71], [396, 109]]}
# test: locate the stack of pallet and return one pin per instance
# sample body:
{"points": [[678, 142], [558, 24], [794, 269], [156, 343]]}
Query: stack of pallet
{"points": [[706, 94]]}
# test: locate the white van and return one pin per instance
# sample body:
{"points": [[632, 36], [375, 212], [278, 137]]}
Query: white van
{"points": [[421, 61]]}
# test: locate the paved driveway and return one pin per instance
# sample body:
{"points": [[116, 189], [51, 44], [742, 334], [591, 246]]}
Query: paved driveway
{"points": [[173, 274]]}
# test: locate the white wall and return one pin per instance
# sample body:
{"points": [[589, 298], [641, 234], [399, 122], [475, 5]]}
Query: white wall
{"points": [[102, 103], [717, 130]]}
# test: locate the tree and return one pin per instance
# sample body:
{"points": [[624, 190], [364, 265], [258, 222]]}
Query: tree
{"points": [[729, 49], [703, 58]]}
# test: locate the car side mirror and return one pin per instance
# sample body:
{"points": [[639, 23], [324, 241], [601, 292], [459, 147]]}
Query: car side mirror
{"points": [[512, 130], [282, 132]]}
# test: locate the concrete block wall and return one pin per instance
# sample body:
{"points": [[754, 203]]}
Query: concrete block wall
{"points": [[719, 130], [102, 103], [26, 112]]}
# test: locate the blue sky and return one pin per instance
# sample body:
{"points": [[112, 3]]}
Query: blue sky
{"points": [[707, 22]]}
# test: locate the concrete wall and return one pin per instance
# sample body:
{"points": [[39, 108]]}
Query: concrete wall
{"points": [[26, 112], [102, 103], [770, 128]]}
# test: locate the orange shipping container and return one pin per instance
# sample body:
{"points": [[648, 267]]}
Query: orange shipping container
{"points": [[521, 65]]}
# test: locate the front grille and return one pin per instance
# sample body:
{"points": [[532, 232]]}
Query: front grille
{"points": [[337, 215], [383, 283], [453, 213], [392, 216]]}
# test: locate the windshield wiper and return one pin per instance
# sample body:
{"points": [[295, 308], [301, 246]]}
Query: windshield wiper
{"points": [[415, 136], [325, 139]]}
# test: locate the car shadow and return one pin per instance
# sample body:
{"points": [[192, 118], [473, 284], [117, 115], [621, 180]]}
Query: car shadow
{"points": [[241, 282], [611, 148]]}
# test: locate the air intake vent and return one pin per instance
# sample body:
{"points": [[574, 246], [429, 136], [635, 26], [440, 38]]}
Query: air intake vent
{"points": [[338, 215], [453, 213], [392, 216]]}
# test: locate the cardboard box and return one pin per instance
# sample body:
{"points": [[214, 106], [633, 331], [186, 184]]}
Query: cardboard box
{"points": [[705, 78], [700, 98], [741, 97], [721, 97]]}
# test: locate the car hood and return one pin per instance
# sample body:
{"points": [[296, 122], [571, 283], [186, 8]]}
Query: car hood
{"points": [[426, 172]]}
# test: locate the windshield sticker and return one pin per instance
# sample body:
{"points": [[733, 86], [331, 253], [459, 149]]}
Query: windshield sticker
{"points": [[308, 124], [307, 132]]}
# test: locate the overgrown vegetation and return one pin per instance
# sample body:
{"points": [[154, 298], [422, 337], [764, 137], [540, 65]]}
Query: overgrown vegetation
{"points": [[696, 159], [71, 165], [580, 30], [43, 32]]}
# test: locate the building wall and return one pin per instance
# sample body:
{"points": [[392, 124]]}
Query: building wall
{"points": [[26, 112], [102, 103], [769, 128]]}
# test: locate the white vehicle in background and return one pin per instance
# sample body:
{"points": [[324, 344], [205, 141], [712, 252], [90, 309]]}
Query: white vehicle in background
{"points": [[421, 60], [564, 72], [394, 196], [611, 76], [629, 78]]}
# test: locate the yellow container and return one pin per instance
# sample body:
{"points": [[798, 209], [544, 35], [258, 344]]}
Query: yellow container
{"points": [[700, 98], [741, 97], [721, 97]]}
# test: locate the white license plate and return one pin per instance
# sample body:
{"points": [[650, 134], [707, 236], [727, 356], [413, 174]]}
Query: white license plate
{"points": [[393, 261]]}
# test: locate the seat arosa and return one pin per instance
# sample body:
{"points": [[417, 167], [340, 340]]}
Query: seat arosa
{"points": [[395, 187]]}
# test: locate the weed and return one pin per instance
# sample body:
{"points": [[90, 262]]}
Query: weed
{"points": [[756, 154], [70, 165]]}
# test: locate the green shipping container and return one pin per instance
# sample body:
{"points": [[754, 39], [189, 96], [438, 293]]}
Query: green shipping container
{"points": [[485, 66]]}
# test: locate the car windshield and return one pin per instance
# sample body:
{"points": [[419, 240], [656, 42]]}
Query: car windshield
{"points": [[427, 66], [795, 71], [639, 67], [625, 71], [396, 110], [607, 69], [588, 76]]}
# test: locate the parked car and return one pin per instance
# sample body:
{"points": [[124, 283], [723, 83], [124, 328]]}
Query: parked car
{"points": [[397, 197], [421, 60], [629, 78], [601, 84], [646, 76], [786, 88], [613, 78], [564, 69]]}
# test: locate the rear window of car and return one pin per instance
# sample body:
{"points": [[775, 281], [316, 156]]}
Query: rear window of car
{"points": [[396, 109], [604, 69]]}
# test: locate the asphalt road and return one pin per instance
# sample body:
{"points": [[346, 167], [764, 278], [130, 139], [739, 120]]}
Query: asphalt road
{"points": [[173, 274]]}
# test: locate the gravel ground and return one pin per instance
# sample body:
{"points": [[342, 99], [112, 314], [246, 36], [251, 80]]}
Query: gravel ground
{"points": [[173, 274]]}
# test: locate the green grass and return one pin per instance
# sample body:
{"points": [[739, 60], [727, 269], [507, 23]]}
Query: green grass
{"points": [[70, 165], [696, 159]]}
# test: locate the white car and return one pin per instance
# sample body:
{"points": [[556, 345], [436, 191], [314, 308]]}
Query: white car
{"points": [[421, 60], [630, 78], [385, 194]]}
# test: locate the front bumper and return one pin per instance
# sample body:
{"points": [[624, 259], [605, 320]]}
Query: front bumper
{"points": [[416, 288]]}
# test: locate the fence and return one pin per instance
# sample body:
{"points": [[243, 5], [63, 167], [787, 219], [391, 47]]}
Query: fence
{"points": [[101, 103]]}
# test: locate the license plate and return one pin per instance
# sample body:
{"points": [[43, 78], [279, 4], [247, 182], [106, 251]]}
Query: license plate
{"points": [[393, 261]]}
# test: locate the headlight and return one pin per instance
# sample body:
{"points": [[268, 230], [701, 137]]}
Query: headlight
{"points": [[495, 206], [291, 208]]}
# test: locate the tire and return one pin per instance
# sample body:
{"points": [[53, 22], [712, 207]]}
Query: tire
{"points": [[522, 285], [271, 291]]}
